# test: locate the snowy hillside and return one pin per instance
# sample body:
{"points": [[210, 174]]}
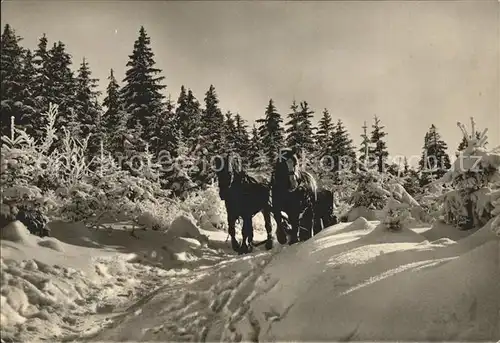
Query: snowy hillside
{"points": [[354, 281]]}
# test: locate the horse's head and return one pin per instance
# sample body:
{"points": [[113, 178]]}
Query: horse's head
{"points": [[287, 169], [227, 168]]}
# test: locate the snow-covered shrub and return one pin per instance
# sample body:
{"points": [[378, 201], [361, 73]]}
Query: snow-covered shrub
{"points": [[61, 183], [396, 213], [370, 192], [22, 170], [468, 204], [207, 208]]}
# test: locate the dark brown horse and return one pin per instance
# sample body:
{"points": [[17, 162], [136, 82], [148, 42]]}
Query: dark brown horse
{"points": [[295, 193], [244, 197]]}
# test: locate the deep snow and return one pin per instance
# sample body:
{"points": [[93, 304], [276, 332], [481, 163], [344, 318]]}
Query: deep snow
{"points": [[353, 281]]}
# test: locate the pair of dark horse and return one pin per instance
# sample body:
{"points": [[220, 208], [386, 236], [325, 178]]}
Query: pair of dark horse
{"points": [[291, 191]]}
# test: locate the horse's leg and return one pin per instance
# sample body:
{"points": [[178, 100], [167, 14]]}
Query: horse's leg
{"points": [[280, 229], [319, 224], [231, 220], [247, 232], [269, 228], [307, 219], [295, 223]]}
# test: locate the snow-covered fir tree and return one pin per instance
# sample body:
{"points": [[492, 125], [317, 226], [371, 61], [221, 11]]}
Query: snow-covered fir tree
{"points": [[165, 130], [87, 108], [378, 148], [257, 158], [12, 85], [212, 122], [141, 94], [324, 133], [434, 161], [230, 133], [271, 132], [364, 157], [300, 129], [341, 149], [42, 85], [114, 118], [61, 84], [472, 176], [464, 142], [242, 141], [28, 94]]}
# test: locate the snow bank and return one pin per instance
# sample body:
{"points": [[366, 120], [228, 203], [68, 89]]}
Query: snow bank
{"points": [[380, 286], [361, 211], [58, 286]]}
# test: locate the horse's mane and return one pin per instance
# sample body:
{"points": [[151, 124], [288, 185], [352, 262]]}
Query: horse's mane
{"points": [[238, 170], [311, 181]]}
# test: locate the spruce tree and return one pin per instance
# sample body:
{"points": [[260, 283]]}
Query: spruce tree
{"points": [[141, 94], [257, 158], [306, 129], [193, 127], [341, 149], [300, 130], [324, 133], [230, 133], [271, 132], [113, 120], [293, 126], [364, 150], [242, 141], [87, 108], [61, 84], [41, 85], [11, 72], [378, 147], [212, 122], [181, 112], [188, 114], [463, 142], [28, 94], [434, 161], [167, 134]]}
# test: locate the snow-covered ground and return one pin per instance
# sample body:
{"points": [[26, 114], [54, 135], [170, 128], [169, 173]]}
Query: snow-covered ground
{"points": [[353, 281]]}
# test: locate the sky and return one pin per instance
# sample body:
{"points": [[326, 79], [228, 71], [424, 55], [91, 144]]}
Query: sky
{"points": [[412, 63]]}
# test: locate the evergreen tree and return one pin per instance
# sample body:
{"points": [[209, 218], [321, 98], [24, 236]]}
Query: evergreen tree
{"points": [[193, 127], [463, 143], [324, 133], [434, 161], [307, 129], [300, 131], [378, 149], [141, 94], [212, 123], [364, 150], [41, 85], [87, 108], [28, 94], [230, 133], [61, 84], [271, 132], [167, 135], [341, 149], [188, 114], [242, 141], [11, 73], [114, 117], [181, 112], [257, 159]]}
